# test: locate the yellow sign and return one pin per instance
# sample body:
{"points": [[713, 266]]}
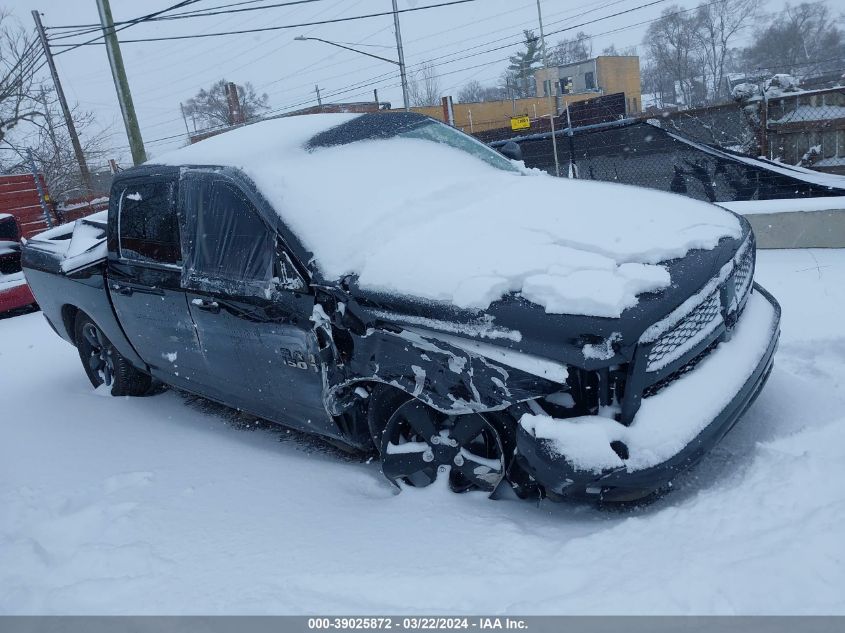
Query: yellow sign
{"points": [[520, 123]]}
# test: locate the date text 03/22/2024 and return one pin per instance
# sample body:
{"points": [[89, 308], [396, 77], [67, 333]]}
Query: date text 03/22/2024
{"points": [[425, 623]]}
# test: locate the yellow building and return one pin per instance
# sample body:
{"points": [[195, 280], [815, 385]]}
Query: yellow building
{"points": [[606, 75], [603, 75]]}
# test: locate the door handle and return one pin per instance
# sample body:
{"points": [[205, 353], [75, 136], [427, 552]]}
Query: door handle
{"points": [[206, 304]]}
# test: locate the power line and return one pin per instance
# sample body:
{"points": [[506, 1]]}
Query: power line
{"points": [[184, 13], [143, 18], [378, 79], [269, 28]]}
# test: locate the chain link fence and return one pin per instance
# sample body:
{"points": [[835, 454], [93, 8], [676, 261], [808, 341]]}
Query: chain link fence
{"points": [[755, 150]]}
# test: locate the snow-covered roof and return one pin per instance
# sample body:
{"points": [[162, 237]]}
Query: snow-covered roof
{"points": [[421, 218]]}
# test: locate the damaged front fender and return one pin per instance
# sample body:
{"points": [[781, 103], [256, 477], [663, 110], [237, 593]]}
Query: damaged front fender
{"points": [[452, 375]]}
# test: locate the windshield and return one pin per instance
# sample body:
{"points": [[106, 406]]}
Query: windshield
{"points": [[409, 125], [441, 133]]}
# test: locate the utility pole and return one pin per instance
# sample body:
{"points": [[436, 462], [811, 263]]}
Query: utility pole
{"points": [[401, 51], [319, 99], [71, 128], [552, 108], [236, 113], [124, 96], [185, 118], [42, 198]]}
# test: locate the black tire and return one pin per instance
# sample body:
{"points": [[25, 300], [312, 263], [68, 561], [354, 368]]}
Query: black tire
{"points": [[471, 446], [103, 364]]}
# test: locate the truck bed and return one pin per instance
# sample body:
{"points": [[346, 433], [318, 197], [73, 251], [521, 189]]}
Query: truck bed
{"points": [[70, 247], [65, 268]]}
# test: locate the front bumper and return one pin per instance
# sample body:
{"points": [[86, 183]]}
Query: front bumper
{"points": [[705, 403]]}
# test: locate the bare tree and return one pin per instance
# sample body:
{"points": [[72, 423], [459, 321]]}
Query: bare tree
{"points": [[210, 108], [49, 141], [800, 40], [675, 54], [612, 51], [471, 92], [718, 26], [569, 51], [474, 92], [20, 56], [424, 89]]}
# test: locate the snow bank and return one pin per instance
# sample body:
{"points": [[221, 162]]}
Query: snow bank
{"points": [[165, 505], [419, 218], [669, 420]]}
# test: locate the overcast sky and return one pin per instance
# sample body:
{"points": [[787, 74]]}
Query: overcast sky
{"points": [[163, 74]]}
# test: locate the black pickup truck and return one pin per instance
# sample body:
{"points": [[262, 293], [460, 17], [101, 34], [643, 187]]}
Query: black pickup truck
{"points": [[389, 282]]}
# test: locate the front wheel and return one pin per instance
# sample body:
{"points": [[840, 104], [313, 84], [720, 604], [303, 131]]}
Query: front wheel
{"points": [[418, 444], [103, 364]]}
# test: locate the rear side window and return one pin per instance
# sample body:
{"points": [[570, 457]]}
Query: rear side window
{"points": [[229, 247], [149, 228]]}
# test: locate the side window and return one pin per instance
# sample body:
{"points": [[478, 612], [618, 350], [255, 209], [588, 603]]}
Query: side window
{"points": [[229, 248], [148, 225]]}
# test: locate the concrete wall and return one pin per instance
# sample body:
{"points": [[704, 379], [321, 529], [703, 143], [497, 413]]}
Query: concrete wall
{"points": [[802, 229]]}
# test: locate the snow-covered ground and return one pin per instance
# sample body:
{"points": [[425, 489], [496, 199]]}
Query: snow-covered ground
{"points": [[171, 505]]}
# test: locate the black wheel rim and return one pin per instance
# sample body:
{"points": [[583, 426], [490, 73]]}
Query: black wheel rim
{"points": [[419, 443], [99, 354]]}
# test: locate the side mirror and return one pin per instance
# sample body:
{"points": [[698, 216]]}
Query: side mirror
{"points": [[511, 150]]}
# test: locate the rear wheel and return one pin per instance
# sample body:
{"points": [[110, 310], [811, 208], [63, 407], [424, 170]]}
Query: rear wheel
{"points": [[103, 364]]}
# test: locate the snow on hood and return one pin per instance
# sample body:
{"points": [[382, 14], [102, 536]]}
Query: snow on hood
{"points": [[419, 218]]}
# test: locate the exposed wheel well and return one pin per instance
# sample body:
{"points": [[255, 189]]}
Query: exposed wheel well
{"points": [[69, 313]]}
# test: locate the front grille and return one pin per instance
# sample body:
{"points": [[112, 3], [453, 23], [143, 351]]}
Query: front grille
{"points": [[678, 373], [743, 273], [686, 334]]}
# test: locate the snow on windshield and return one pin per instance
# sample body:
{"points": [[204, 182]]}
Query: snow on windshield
{"points": [[416, 217]]}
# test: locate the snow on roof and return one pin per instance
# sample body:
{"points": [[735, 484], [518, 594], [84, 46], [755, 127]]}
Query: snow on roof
{"points": [[419, 218]]}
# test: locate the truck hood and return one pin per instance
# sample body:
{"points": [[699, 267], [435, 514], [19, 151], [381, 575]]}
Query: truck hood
{"points": [[515, 323]]}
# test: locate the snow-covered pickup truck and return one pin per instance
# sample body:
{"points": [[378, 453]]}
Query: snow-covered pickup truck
{"points": [[391, 283]]}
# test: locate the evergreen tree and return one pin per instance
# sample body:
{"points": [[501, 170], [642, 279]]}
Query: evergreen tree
{"points": [[520, 72]]}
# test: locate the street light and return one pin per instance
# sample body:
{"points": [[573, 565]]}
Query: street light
{"points": [[400, 63]]}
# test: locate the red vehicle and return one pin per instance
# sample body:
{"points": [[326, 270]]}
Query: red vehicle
{"points": [[22, 215], [14, 292]]}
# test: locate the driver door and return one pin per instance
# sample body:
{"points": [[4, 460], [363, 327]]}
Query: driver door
{"points": [[254, 329]]}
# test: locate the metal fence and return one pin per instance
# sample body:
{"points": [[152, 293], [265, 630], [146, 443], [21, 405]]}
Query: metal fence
{"points": [[637, 152], [807, 129], [761, 149]]}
